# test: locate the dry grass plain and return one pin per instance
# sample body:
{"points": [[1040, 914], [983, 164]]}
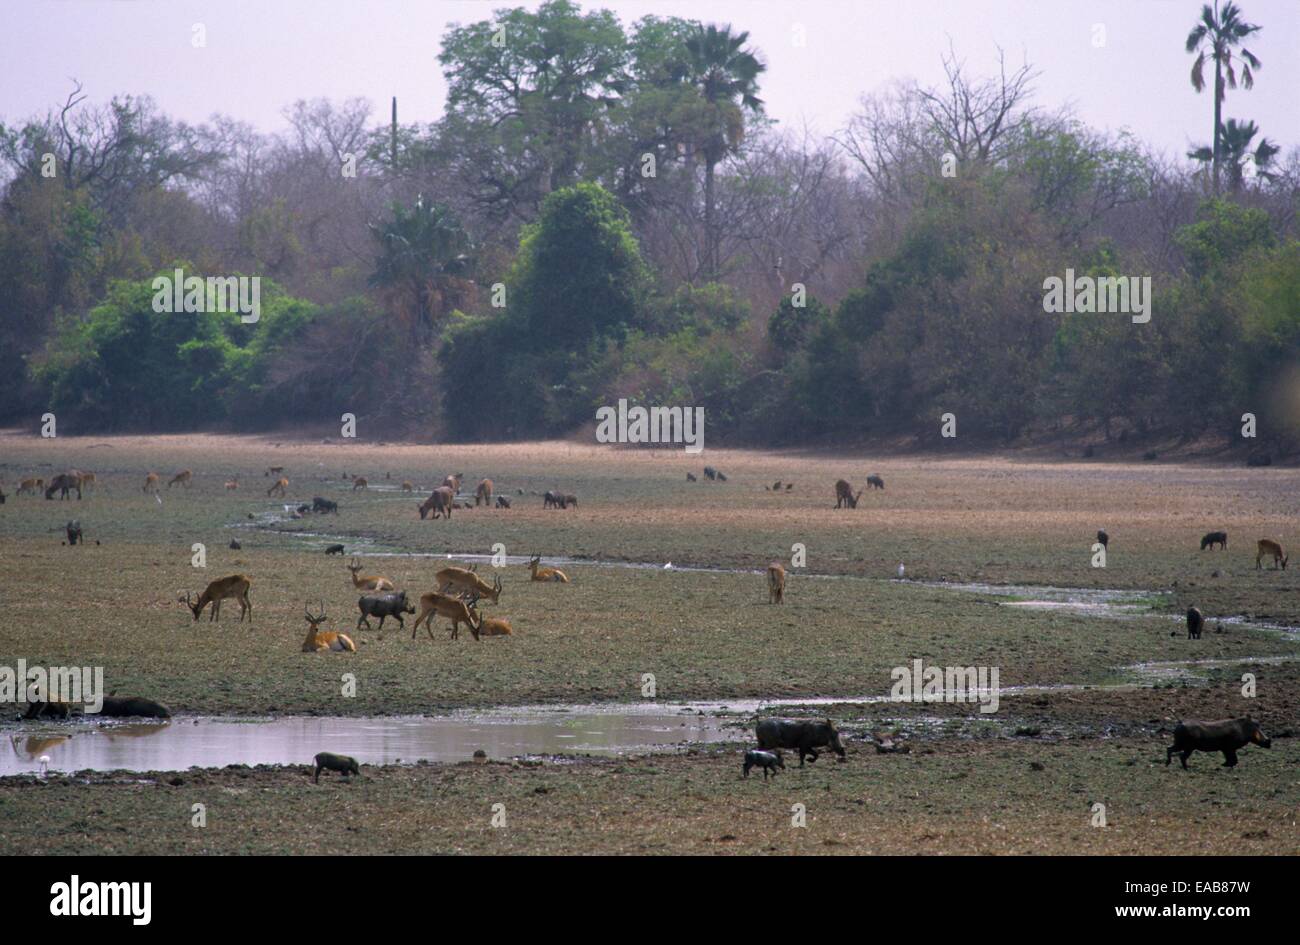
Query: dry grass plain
{"points": [[967, 786]]}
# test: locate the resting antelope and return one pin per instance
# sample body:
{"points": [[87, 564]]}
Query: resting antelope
{"points": [[150, 483], [775, 583], [368, 582], [844, 495], [278, 489], [31, 485], [327, 641], [484, 493], [494, 627], [465, 581], [360, 483], [454, 608], [185, 477], [546, 574], [236, 586], [1268, 546], [232, 484]]}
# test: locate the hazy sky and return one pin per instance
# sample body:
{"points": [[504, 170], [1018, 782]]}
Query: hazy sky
{"points": [[262, 55]]}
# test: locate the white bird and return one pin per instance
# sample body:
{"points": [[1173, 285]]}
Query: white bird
{"points": [[668, 565], [158, 497], [45, 763], [900, 569]]}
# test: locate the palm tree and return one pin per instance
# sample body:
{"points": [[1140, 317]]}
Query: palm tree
{"points": [[1218, 33], [1235, 152], [726, 77], [424, 252]]}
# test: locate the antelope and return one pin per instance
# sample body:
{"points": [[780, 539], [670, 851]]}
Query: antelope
{"points": [[232, 484], [278, 489], [236, 586], [88, 480], [483, 493], [31, 485], [546, 574], [150, 483], [185, 477], [360, 483], [844, 495], [1268, 546], [494, 627], [775, 583], [407, 487], [368, 582], [463, 580], [452, 482], [454, 608], [327, 641], [439, 502]]}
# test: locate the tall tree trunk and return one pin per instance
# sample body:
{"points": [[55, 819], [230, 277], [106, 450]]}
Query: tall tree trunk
{"points": [[1217, 145], [710, 240]]}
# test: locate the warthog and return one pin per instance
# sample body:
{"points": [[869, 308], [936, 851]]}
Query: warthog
{"points": [[440, 502], [334, 550], [690, 477], [1194, 623], [47, 710], [807, 737], [875, 482], [383, 606], [73, 529], [321, 504], [1102, 538], [62, 484], [344, 765], [769, 761], [552, 500], [710, 472], [1225, 736], [1215, 538]]}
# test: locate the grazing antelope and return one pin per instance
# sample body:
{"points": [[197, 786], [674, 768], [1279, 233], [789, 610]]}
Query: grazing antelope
{"points": [[454, 608], [483, 493], [327, 641], [1267, 546], [407, 487], [360, 483], [278, 489], [88, 480], [237, 586], [453, 481], [232, 484], [775, 583], [546, 574], [185, 477], [844, 495], [31, 485], [63, 483], [368, 582], [465, 581], [151, 483], [440, 502]]}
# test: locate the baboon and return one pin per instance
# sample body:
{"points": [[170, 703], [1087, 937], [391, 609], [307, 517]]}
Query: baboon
{"points": [[690, 477], [1102, 538], [775, 583], [234, 545], [74, 532], [503, 502], [1194, 623], [844, 495]]}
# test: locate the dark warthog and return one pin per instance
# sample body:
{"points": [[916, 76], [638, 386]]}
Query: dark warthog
{"points": [[334, 550], [48, 710], [1194, 623], [133, 706], [340, 763], [769, 761], [710, 472], [1226, 736], [875, 482], [807, 737], [384, 606], [321, 504], [1215, 538], [74, 532], [552, 500], [62, 483], [440, 502]]}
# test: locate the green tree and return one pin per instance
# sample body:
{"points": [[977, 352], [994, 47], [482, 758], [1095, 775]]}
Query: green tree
{"points": [[1235, 152], [725, 74], [424, 257], [1219, 34]]}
